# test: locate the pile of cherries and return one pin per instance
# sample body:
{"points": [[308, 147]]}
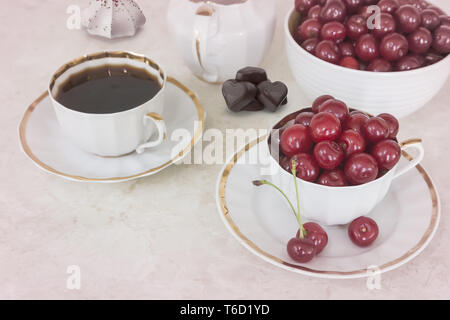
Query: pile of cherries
{"points": [[334, 147], [412, 33]]}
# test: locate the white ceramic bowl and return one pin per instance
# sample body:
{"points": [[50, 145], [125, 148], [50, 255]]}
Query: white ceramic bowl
{"points": [[339, 205], [398, 93]]}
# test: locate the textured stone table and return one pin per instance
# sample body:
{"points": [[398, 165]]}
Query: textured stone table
{"points": [[161, 236]]}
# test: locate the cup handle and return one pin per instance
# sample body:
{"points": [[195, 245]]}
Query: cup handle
{"points": [[205, 18], [412, 143], [160, 127]]}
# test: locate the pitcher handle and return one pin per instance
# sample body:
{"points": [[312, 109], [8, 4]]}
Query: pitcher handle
{"points": [[411, 143], [204, 23]]}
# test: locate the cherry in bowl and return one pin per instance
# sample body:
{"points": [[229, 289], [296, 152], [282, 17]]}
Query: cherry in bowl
{"points": [[295, 139], [328, 154], [325, 126], [318, 102], [361, 168], [333, 178]]}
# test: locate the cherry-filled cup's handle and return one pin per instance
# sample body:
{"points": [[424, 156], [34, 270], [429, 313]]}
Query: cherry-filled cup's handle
{"points": [[160, 127], [415, 144]]}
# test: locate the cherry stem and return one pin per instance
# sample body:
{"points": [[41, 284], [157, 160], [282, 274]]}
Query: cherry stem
{"points": [[261, 182], [299, 219]]}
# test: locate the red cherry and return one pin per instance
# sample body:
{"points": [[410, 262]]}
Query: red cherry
{"points": [[309, 29], [333, 31], [408, 18], [361, 168], [441, 42], [310, 45], [430, 19], [363, 231], [387, 153], [387, 25], [303, 6], [420, 40], [379, 65], [392, 124], [336, 107], [356, 26], [333, 10], [388, 6], [314, 12], [352, 142], [349, 62], [409, 62], [355, 121], [366, 48], [353, 5], [301, 250], [328, 154], [375, 129], [306, 167], [325, 126], [316, 234], [295, 139], [333, 178], [328, 50], [393, 47], [316, 104], [304, 118], [347, 49]]}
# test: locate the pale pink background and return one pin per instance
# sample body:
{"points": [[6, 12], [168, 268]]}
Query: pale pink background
{"points": [[161, 237]]}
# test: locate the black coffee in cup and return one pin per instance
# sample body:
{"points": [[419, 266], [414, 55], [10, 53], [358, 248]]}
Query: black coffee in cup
{"points": [[107, 89]]}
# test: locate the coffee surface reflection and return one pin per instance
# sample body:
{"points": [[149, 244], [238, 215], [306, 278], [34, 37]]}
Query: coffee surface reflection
{"points": [[107, 89]]}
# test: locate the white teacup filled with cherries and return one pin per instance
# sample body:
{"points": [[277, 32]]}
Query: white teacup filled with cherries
{"points": [[336, 147], [339, 164]]}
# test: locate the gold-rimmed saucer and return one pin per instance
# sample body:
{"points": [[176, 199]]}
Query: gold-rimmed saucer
{"points": [[43, 142], [261, 221]]}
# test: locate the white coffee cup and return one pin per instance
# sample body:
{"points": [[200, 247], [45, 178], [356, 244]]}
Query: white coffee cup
{"points": [[112, 134], [340, 205]]}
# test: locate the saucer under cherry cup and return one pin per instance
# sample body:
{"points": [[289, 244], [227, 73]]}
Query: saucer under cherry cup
{"points": [[262, 221]]}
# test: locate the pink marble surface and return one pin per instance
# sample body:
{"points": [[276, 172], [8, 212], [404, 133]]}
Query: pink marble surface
{"points": [[161, 237]]}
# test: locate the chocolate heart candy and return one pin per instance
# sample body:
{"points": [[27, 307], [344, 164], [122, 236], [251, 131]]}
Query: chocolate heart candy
{"points": [[238, 94], [272, 94], [255, 105], [251, 74]]}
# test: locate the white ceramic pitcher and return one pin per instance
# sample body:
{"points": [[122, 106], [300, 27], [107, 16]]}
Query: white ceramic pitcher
{"points": [[218, 37]]}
